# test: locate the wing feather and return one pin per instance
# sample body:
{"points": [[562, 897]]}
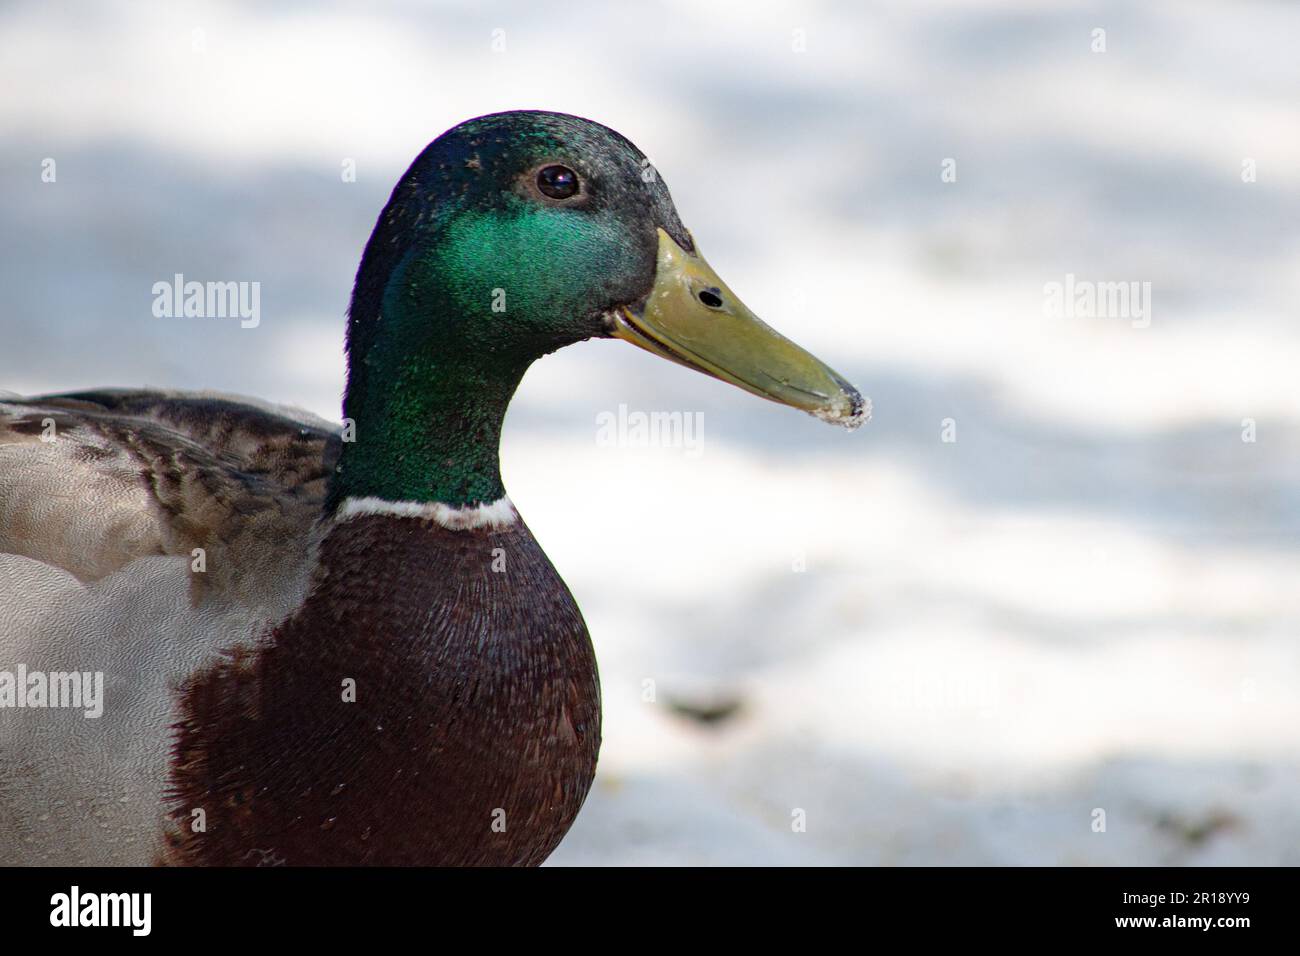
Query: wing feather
{"points": [[90, 481]]}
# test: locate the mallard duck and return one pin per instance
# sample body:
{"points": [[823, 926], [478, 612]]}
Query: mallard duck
{"points": [[325, 645]]}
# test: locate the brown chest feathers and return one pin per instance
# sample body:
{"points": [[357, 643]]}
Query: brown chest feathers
{"points": [[434, 702]]}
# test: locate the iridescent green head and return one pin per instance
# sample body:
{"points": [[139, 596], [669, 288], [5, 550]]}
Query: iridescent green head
{"points": [[510, 236]]}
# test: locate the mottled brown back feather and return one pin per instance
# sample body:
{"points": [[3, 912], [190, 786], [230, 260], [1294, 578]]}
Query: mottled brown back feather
{"points": [[235, 479]]}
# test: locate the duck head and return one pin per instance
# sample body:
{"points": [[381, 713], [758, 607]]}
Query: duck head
{"points": [[513, 235]]}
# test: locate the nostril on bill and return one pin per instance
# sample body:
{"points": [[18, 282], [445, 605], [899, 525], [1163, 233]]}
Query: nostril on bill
{"points": [[710, 298]]}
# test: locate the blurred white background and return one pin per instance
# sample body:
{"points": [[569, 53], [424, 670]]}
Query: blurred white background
{"points": [[1088, 600]]}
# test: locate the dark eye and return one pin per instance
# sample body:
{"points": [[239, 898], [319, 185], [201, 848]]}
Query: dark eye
{"points": [[557, 182]]}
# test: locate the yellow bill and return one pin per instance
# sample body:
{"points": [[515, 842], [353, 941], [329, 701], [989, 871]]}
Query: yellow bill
{"points": [[692, 318]]}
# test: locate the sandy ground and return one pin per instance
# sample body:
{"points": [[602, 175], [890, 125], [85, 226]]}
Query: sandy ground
{"points": [[914, 650]]}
